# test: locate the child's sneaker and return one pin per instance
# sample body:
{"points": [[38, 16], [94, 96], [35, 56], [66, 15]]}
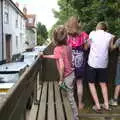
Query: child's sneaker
{"points": [[113, 102]]}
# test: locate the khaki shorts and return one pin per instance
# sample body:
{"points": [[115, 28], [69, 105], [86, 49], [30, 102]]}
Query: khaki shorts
{"points": [[69, 80]]}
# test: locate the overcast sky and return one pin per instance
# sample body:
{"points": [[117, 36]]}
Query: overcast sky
{"points": [[42, 8]]}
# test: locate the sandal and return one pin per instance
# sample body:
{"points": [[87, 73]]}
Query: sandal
{"points": [[95, 109], [106, 109]]}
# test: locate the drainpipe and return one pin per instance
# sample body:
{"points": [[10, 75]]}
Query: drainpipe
{"points": [[2, 30]]}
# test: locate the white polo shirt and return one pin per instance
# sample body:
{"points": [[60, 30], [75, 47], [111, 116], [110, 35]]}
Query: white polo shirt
{"points": [[100, 41]]}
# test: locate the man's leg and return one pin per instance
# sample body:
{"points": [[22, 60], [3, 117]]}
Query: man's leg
{"points": [[117, 92], [114, 101], [94, 95], [117, 82], [104, 89]]}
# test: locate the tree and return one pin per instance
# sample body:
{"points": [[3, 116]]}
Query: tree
{"points": [[42, 33], [91, 12], [66, 10]]}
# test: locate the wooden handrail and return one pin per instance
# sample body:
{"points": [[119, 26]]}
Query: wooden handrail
{"points": [[13, 105]]}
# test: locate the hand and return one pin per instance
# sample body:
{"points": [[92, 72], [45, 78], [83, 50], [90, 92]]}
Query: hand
{"points": [[41, 56], [60, 82]]}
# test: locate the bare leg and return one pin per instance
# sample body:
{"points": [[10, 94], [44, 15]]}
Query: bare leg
{"points": [[80, 93], [117, 92], [94, 94], [105, 94]]}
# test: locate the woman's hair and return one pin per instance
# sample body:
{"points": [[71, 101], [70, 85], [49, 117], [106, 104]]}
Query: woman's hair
{"points": [[60, 35], [102, 26], [73, 25]]}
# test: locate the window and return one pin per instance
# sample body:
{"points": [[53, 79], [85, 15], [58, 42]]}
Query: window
{"points": [[16, 41], [20, 22], [6, 13], [21, 38], [30, 20], [16, 22], [6, 20]]}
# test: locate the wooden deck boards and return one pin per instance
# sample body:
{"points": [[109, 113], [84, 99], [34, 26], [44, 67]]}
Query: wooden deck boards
{"points": [[54, 105], [51, 108]]}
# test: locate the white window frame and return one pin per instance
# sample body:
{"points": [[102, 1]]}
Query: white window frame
{"points": [[6, 12], [17, 42]]}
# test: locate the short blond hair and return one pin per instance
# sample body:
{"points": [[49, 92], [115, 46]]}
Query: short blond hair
{"points": [[72, 25], [101, 25]]}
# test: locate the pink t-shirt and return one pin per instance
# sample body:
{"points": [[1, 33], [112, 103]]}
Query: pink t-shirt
{"points": [[65, 53], [77, 40]]}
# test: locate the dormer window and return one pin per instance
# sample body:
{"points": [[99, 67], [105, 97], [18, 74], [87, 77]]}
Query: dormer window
{"points": [[30, 20]]}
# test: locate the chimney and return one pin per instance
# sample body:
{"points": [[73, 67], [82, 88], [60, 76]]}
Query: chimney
{"points": [[25, 10], [17, 4]]}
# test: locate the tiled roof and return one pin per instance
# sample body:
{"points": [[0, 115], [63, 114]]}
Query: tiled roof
{"points": [[17, 9]]}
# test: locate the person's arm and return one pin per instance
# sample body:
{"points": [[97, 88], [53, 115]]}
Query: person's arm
{"points": [[112, 44], [88, 40], [85, 37], [87, 44], [61, 70], [49, 56]]}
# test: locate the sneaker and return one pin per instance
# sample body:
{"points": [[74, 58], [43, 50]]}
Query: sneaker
{"points": [[113, 102]]}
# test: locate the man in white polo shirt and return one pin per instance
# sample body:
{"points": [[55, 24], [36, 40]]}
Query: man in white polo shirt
{"points": [[100, 42]]}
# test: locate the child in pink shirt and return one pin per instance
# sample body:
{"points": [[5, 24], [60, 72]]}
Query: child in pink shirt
{"points": [[63, 56]]}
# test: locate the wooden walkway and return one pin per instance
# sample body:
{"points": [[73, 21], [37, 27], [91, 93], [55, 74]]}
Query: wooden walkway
{"points": [[53, 105]]}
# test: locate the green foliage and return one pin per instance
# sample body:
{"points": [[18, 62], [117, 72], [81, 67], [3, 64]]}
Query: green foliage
{"points": [[42, 34], [91, 12]]}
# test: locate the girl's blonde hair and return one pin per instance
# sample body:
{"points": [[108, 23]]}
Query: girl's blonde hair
{"points": [[72, 25]]}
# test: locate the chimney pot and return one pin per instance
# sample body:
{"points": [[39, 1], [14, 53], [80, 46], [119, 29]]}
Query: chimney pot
{"points": [[25, 10], [17, 4]]}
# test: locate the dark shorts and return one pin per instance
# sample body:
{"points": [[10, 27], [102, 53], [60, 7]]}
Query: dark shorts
{"points": [[96, 75], [79, 62], [117, 78], [79, 74]]}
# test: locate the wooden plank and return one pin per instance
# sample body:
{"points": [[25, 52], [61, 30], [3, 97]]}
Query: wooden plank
{"points": [[51, 109], [32, 114], [39, 92], [59, 108], [42, 107], [67, 106], [86, 115]]}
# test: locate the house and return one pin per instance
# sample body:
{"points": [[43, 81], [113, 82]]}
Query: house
{"points": [[31, 33], [1, 31], [12, 38]]}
